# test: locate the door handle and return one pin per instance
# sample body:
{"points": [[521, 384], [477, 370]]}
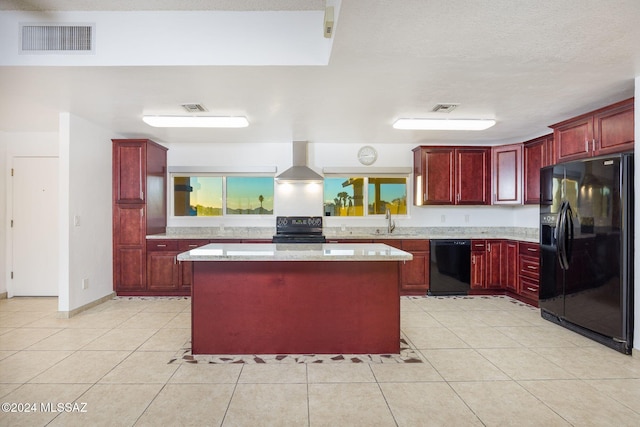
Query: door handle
{"points": [[569, 235], [561, 236]]}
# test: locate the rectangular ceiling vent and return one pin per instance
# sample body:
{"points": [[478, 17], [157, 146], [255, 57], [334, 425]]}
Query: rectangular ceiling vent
{"points": [[57, 38], [194, 108], [444, 108]]}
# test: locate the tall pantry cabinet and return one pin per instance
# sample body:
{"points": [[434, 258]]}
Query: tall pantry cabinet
{"points": [[139, 209]]}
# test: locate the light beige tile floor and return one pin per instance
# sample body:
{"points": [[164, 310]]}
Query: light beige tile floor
{"points": [[486, 361]]}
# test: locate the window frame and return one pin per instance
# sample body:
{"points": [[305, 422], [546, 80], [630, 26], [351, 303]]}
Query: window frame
{"points": [[365, 197], [224, 176]]}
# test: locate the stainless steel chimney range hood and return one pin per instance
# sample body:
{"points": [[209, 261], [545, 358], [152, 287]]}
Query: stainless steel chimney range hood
{"points": [[299, 172]]}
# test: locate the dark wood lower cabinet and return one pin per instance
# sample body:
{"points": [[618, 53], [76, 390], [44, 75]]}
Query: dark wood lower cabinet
{"points": [[510, 251], [505, 266], [163, 270], [495, 265], [528, 272], [414, 274]]}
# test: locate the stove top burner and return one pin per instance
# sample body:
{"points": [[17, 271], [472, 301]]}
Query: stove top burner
{"points": [[298, 229]]}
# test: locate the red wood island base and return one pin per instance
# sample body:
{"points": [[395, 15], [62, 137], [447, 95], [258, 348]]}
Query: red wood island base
{"points": [[295, 307]]}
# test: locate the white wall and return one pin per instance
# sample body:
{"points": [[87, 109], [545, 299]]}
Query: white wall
{"points": [[13, 144], [3, 213], [306, 199], [636, 243], [85, 249]]}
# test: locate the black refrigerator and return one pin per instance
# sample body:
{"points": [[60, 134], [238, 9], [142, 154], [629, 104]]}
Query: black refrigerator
{"points": [[586, 248]]}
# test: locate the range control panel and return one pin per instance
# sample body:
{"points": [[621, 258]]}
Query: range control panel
{"points": [[299, 225]]}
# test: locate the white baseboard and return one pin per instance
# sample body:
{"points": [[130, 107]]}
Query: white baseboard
{"points": [[75, 311]]}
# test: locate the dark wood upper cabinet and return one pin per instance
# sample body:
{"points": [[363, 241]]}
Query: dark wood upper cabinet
{"points": [[604, 131], [507, 174], [536, 153], [614, 129], [473, 176], [452, 175], [129, 171]]}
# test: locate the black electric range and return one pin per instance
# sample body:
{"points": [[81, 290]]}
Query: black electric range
{"points": [[298, 229]]}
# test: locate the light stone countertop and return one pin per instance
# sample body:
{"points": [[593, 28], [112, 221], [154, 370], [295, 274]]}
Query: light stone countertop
{"points": [[370, 233], [295, 252]]}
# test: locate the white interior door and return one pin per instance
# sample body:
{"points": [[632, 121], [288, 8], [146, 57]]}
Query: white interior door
{"points": [[35, 227]]}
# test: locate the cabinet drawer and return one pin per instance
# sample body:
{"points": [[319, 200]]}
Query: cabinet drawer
{"points": [[162, 245], [529, 288], [187, 245], [415, 245], [529, 249], [529, 267], [478, 245]]}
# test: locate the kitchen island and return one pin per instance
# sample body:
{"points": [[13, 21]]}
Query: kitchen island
{"points": [[295, 298]]}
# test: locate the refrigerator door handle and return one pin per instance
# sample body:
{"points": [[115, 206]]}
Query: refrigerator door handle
{"points": [[562, 236], [568, 234]]}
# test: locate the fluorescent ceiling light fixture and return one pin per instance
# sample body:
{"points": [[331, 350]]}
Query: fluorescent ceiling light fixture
{"points": [[196, 121], [444, 124]]}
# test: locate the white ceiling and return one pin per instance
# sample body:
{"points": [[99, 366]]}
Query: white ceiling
{"points": [[528, 64]]}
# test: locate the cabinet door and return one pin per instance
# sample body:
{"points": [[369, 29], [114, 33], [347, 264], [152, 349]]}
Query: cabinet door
{"points": [[473, 176], [507, 174], [129, 225], [129, 171], [510, 265], [129, 263], [163, 271], [129, 268], [536, 153], [573, 139], [414, 274], [614, 129], [494, 264], [478, 270], [439, 172], [533, 154], [549, 151]]}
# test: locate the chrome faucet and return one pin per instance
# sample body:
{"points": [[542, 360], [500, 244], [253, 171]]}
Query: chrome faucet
{"points": [[391, 225]]}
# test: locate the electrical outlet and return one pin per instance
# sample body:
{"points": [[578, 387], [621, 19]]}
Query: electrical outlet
{"points": [[466, 218], [76, 220], [443, 218], [85, 283]]}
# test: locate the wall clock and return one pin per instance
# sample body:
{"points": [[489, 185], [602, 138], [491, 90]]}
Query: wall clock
{"points": [[367, 155]]}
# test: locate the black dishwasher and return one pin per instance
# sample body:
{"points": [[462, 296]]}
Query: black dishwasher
{"points": [[450, 270]]}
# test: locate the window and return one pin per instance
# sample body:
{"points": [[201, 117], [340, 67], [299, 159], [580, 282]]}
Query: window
{"points": [[208, 195], [249, 195], [348, 196]]}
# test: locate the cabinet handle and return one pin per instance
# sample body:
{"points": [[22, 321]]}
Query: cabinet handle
{"points": [[532, 249], [489, 247], [142, 212], [175, 259], [532, 267], [531, 289], [161, 246], [586, 145], [193, 246], [594, 144], [473, 260]]}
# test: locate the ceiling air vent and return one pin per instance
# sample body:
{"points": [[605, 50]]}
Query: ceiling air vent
{"points": [[444, 108], [194, 108], [57, 38]]}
